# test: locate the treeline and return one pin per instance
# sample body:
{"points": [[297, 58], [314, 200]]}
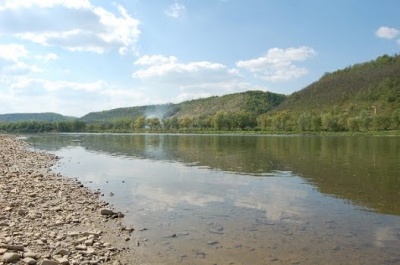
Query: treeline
{"points": [[366, 120], [281, 121], [42, 126]]}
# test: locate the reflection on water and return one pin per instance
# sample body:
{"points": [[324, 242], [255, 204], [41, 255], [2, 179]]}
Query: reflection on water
{"points": [[246, 199]]}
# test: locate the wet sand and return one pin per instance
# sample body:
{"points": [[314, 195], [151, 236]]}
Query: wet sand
{"points": [[46, 218]]}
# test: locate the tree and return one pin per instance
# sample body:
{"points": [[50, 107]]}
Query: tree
{"points": [[354, 124], [366, 119], [382, 122], [304, 121], [264, 121], [78, 126], [317, 122], [174, 123], [396, 119], [243, 119], [186, 122], [330, 122], [140, 122], [281, 121], [219, 120], [154, 123]]}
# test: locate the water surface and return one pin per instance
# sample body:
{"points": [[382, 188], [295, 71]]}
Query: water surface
{"points": [[212, 199]]}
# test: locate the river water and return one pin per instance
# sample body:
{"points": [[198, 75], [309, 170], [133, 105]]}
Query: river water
{"points": [[229, 199]]}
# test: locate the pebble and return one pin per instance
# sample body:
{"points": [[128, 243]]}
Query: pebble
{"points": [[46, 218], [29, 261], [49, 262], [106, 211], [63, 261], [211, 243], [9, 257]]}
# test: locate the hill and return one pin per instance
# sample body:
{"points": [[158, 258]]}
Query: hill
{"points": [[361, 97], [38, 117], [372, 86], [255, 102], [158, 111]]}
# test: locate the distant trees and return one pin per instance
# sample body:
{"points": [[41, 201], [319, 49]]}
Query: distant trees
{"points": [[42, 126], [335, 120]]}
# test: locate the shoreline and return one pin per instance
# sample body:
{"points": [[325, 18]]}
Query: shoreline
{"points": [[46, 218]]}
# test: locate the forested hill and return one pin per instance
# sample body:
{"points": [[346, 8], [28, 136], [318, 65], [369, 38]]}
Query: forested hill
{"points": [[254, 102], [129, 112], [361, 97], [372, 86], [39, 117]]}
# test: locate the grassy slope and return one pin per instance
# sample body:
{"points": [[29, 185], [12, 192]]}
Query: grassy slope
{"points": [[251, 101], [362, 86]]}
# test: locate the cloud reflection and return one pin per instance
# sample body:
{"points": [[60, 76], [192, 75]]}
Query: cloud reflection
{"points": [[158, 198]]}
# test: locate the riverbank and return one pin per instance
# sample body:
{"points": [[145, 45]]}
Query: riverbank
{"points": [[46, 218]]}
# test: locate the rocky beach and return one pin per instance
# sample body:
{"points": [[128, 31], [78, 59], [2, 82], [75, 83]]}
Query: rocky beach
{"points": [[47, 219]]}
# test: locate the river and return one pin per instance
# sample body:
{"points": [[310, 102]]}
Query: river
{"points": [[255, 199]]}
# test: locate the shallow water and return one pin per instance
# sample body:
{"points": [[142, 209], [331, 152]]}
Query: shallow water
{"points": [[212, 199]]}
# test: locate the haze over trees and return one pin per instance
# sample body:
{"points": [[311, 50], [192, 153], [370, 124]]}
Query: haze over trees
{"points": [[361, 97]]}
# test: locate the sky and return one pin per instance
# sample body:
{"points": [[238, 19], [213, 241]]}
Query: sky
{"points": [[78, 56]]}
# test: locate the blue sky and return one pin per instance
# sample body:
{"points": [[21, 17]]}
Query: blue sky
{"points": [[77, 56]]}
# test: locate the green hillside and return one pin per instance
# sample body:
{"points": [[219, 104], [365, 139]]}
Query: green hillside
{"points": [[255, 102], [373, 86], [38, 117], [129, 113]]}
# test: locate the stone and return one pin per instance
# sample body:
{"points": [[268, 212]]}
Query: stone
{"points": [[63, 261], [120, 215], [89, 242], [81, 247], [106, 212], [63, 252], [22, 212], [10, 257], [49, 262], [211, 243], [14, 247], [29, 261], [31, 254], [40, 209]]}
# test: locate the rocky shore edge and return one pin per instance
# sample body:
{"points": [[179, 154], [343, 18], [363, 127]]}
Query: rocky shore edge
{"points": [[47, 219]]}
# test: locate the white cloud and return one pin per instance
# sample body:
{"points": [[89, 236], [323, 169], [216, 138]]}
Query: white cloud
{"points": [[175, 10], [278, 64], [168, 70], [72, 25], [48, 57], [27, 94], [16, 4], [12, 52], [20, 68], [155, 60], [387, 33], [10, 61], [177, 81]]}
